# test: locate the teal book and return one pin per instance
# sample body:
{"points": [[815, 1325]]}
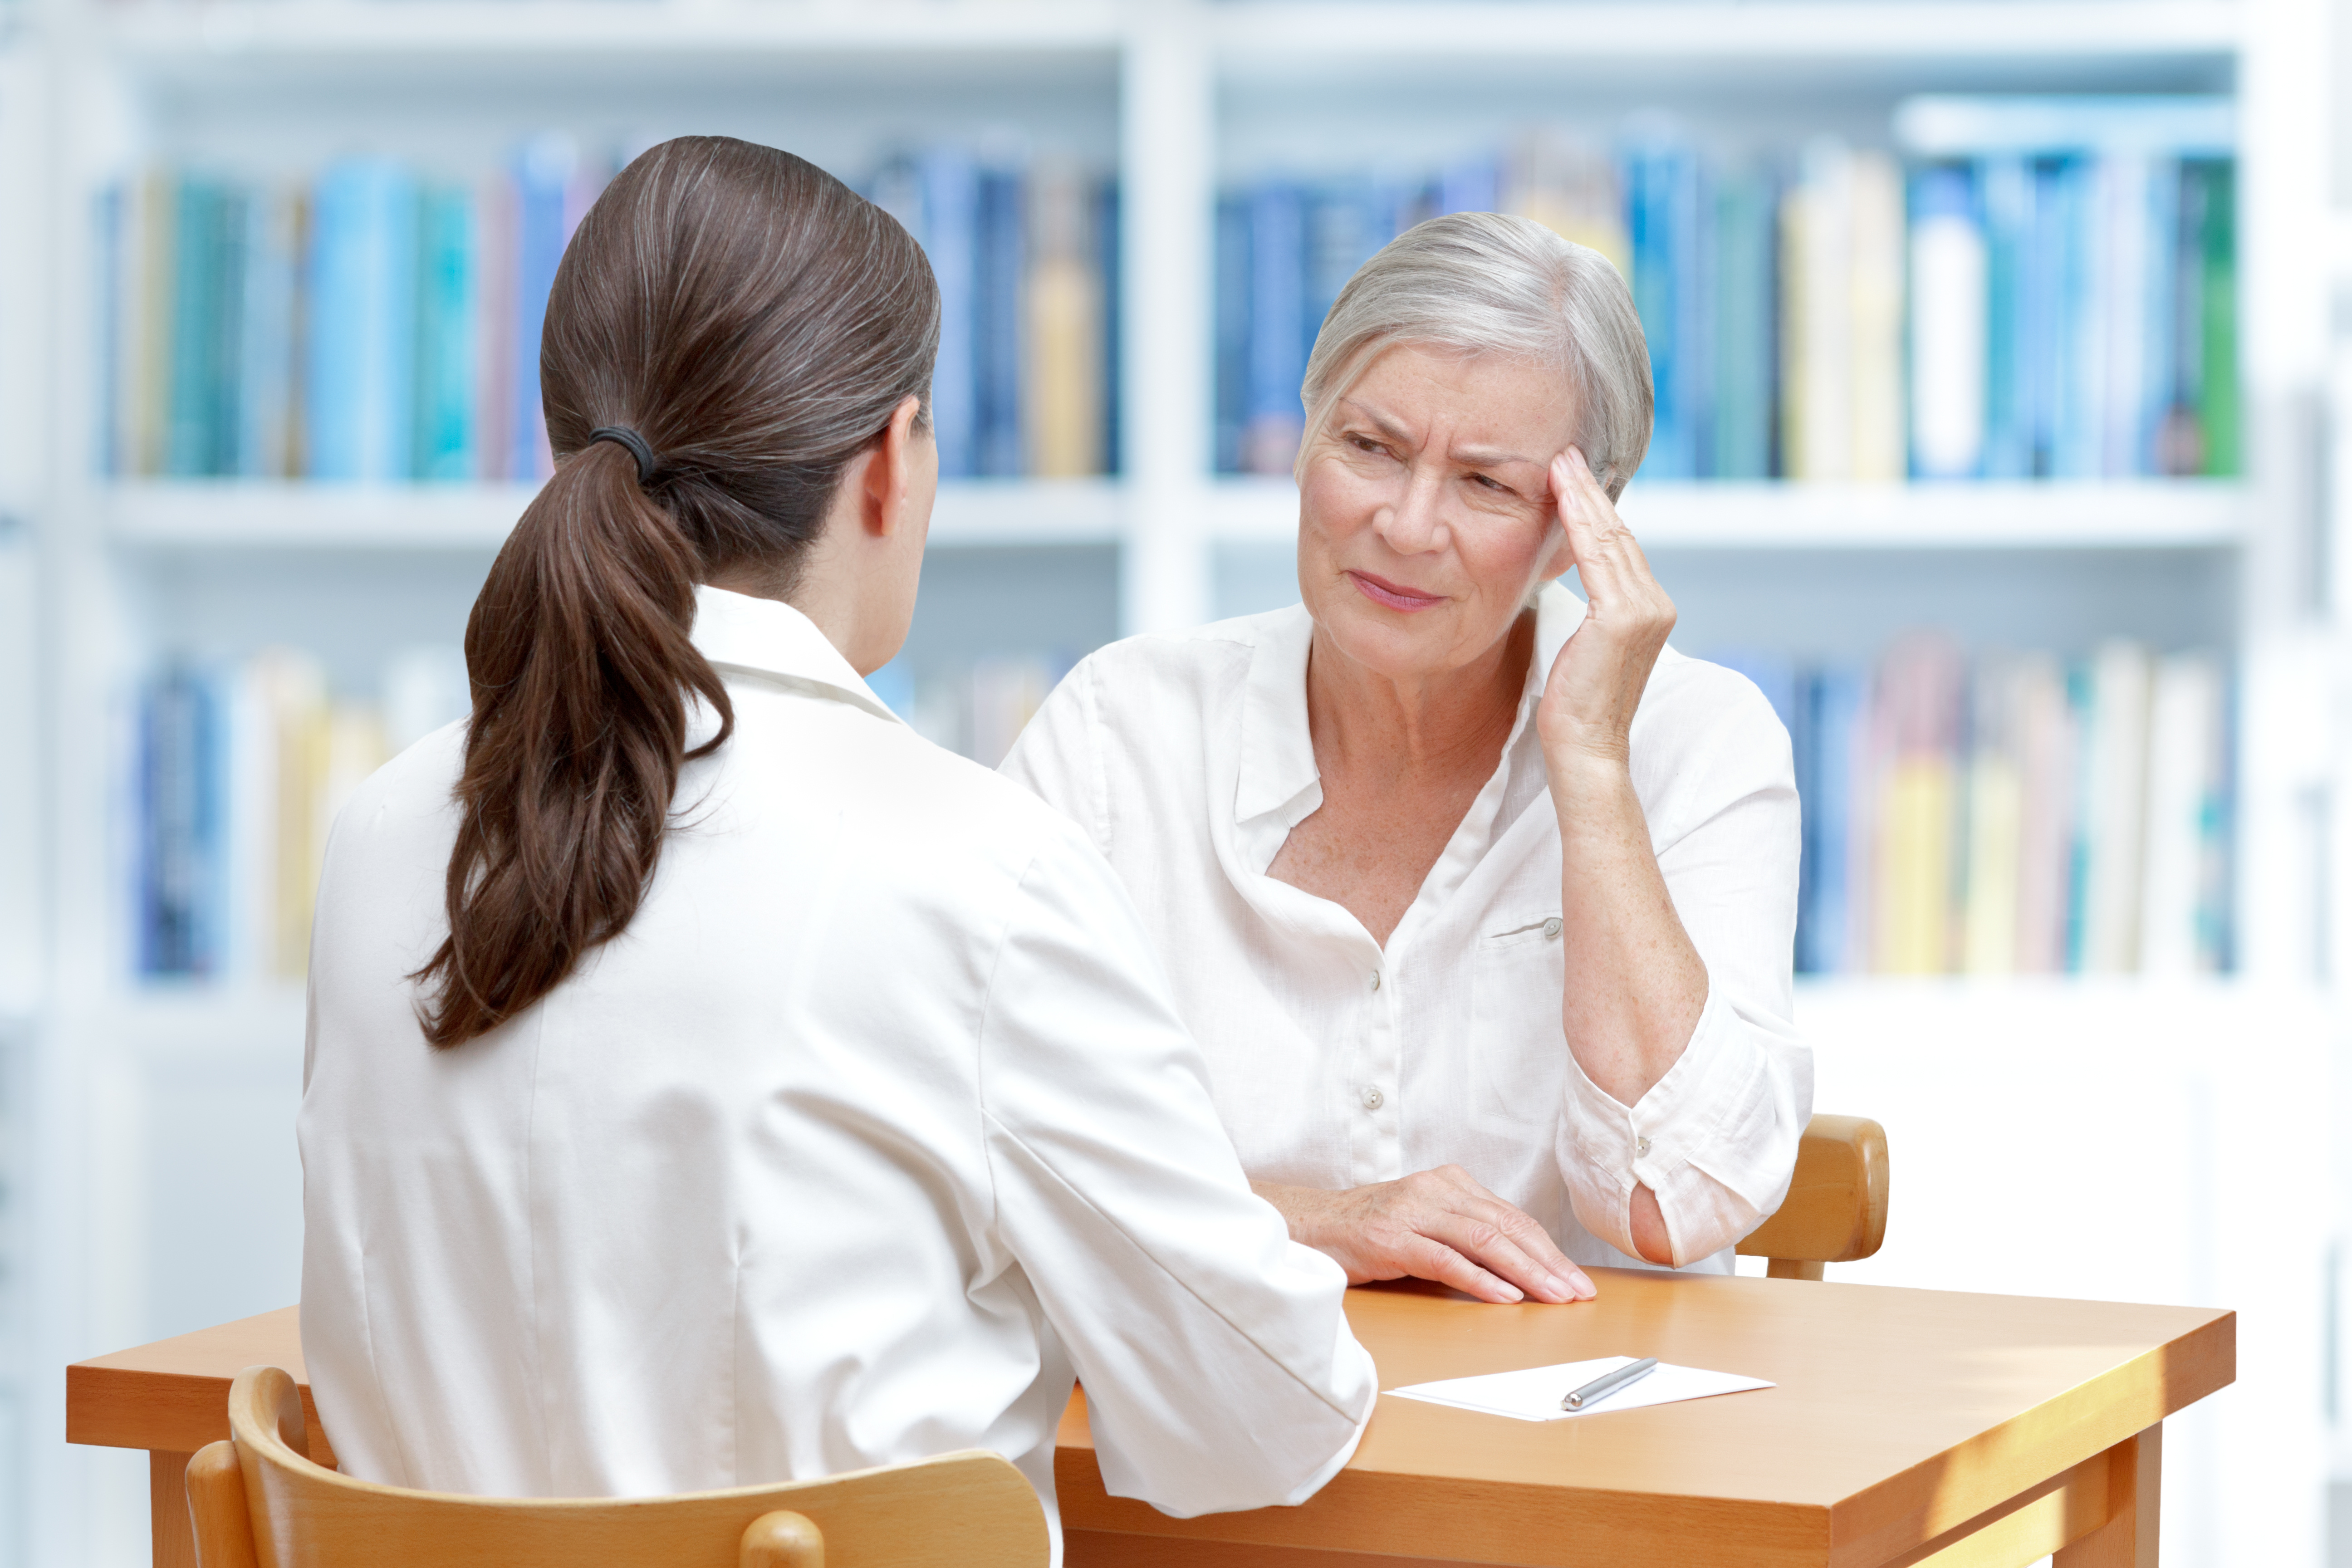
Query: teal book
{"points": [[2217, 409], [1740, 431], [195, 289], [360, 400], [448, 326]]}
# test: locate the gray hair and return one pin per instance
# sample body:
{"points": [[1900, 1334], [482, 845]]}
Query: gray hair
{"points": [[1485, 282]]}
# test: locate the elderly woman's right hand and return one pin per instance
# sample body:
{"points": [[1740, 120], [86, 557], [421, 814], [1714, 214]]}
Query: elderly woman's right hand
{"points": [[1435, 1224]]}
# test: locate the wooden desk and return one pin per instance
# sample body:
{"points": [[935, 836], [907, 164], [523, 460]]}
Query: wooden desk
{"points": [[1909, 1426]]}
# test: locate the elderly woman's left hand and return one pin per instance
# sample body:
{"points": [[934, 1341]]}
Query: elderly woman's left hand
{"points": [[1596, 683]]}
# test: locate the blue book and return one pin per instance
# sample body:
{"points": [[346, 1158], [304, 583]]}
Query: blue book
{"points": [[1745, 286], [543, 176], [1347, 223], [2006, 189], [1001, 244], [1469, 185], [113, 455], [2157, 395], [1232, 330], [950, 223], [1107, 239], [1832, 728], [195, 329], [1661, 213], [448, 325], [264, 347], [2042, 325], [1277, 342], [360, 403], [2078, 419], [180, 772]]}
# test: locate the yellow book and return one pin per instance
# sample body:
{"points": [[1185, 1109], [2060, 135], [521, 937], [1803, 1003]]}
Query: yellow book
{"points": [[291, 693], [1063, 417], [1571, 188], [1996, 813], [1914, 898]]}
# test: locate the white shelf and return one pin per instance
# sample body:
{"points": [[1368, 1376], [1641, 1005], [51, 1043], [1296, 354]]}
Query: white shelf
{"points": [[2161, 514], [181, 39], [185, 40], [232, 514], [1938, 30]]}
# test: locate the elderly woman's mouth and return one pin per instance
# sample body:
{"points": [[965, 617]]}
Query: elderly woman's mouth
{"points": [[1392, 596]]}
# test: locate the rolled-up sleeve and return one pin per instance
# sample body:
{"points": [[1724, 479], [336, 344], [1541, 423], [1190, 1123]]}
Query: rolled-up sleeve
{"points": [[1716, 1138], [1219, 1368]]}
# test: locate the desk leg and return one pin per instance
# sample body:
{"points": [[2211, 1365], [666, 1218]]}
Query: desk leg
{"points": [[168, 1525], [2127, 1540]]}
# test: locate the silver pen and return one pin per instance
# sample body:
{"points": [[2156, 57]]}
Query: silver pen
{"points": [[1609, 1382]]}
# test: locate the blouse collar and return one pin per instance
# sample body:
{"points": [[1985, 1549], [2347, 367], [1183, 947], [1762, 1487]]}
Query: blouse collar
{"points": [[772, 641], [1278, 754]]}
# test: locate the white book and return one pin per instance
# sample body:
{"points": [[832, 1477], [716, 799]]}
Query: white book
{"points": [[2184, 782], [1875, 304], [2114, 806], [1818, 241], [2047, 743], [249, 837], [1947, 338], [1996, 813]]}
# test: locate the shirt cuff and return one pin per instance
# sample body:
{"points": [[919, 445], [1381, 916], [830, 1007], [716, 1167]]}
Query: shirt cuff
{"points": [[1608, 1148]]}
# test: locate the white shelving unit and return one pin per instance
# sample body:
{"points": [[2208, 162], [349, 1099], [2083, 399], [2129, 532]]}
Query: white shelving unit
{"points": [[150, 1127]]}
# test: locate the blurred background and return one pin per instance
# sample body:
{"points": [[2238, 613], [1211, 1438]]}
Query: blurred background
{"points": [[2004, 389]]}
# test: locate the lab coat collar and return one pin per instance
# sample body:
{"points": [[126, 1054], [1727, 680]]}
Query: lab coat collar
{"points": [[770, 639], [1278, 752]]}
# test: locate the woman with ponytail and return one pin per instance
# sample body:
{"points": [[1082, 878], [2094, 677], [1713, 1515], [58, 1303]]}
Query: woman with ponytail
{"points": [[709, 1081]]}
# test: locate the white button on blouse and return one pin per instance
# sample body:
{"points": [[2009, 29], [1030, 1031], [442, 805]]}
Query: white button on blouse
{"points": [[875, 1127], [1187, 758]]}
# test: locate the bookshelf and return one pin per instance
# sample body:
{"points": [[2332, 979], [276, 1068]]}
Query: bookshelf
{"points": [[1183, 98]]}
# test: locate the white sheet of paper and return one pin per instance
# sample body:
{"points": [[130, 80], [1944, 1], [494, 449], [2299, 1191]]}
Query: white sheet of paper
{"points": [[1533, 1395]]}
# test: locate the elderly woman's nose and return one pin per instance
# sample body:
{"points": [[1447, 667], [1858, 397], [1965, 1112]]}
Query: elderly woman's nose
{"points": [[1412, 521]]}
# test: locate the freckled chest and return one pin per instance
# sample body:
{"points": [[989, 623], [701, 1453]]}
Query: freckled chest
{"points": [[1372, 843]]}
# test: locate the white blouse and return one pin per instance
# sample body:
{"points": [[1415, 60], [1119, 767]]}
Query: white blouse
{"points": [[876, 1126], [1336, 1064]]}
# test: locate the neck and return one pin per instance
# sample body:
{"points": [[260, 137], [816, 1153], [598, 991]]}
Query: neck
{"points": [[1370, 723]]}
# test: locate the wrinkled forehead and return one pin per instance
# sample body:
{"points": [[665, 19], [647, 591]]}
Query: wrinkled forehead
{"points": [[1482, 406]]}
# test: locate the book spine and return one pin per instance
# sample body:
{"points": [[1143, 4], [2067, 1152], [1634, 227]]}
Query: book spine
{"points": [[1001, 244], [188, 442], [2218, 410], [1277, 362], [1744, 281], [266, 341], [1875, 314], [1948, 327], [543, 173], [2006, 185], [446, 354], [951, 222], [1232, 330], [1062, 414], [497, 276]]}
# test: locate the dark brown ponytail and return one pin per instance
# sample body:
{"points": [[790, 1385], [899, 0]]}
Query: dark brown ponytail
{"points": [[756, 323]]}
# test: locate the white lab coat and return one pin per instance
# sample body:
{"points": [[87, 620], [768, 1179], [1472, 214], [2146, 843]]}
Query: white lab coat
{"points": [[875, 1127]]}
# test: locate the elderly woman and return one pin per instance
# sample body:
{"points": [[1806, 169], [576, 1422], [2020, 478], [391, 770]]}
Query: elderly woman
{"points": [[1479, 898]]}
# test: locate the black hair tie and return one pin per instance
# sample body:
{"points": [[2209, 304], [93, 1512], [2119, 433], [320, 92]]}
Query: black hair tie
{"points": [[623, 435]]}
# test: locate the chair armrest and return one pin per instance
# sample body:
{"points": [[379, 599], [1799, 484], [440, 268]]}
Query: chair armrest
{"points": [[1836, 1208]]}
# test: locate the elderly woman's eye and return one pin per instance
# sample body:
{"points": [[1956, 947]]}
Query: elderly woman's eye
{"points": [[1365, 444], [1492, 483]]}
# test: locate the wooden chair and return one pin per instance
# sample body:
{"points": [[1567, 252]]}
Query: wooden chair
{"points": [[257, 1501], [1836, 1207]]}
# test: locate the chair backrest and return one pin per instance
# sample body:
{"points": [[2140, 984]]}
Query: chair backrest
{"points": [[257, 1501], [1836, 1208]]}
